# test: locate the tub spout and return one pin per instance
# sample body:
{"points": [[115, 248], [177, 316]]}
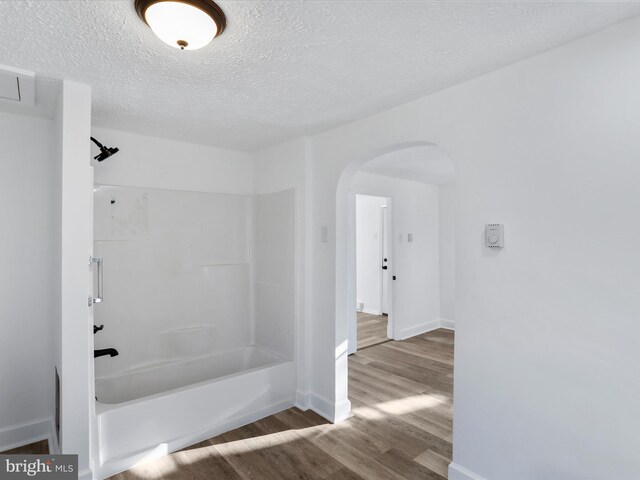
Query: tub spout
{"points": [[105, 351]]}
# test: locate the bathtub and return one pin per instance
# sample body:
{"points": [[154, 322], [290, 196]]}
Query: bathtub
{"points": [[156, 409]]}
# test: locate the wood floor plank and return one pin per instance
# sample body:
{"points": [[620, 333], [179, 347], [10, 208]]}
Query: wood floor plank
{"points": [[396, 356], [350, 452], [434, 462], [373, 377], [401, 428], [398, 461], [433, 352], [372, 329], [36, 448], [346, 474]]}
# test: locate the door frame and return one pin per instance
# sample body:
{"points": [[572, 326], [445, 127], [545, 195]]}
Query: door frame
{"points": [[351, 259]]}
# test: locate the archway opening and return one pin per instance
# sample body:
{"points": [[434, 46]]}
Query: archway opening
{"points": [[411, 178]]}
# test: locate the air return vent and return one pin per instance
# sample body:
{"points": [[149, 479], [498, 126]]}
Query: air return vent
{"points": [[17, 86]]}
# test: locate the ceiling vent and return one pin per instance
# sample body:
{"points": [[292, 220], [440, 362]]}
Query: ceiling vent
{"points": [[17, 86]]}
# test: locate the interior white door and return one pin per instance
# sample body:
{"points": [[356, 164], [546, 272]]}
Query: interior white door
{"points": [[384, 240]]}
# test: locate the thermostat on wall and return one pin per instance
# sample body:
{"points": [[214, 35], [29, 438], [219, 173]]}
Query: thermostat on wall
{"points": [[495, 235]]}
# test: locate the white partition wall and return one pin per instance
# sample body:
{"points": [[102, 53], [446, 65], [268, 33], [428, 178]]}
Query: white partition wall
{"points": [[274, 271], [73, 344]]}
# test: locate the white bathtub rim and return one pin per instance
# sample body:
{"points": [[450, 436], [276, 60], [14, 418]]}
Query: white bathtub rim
{"points": [[102, 408], [116, 465], [176, 361]]}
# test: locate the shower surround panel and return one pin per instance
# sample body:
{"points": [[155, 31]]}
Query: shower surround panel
{"points": [[199, 300], [176, 274]]}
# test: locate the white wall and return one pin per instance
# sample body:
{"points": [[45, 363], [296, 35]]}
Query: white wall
{"points": [[369, 252], [281, 167], [153, 162], [447, 215], [273, 261], [29, 181], [415, 210], [546, 329]]}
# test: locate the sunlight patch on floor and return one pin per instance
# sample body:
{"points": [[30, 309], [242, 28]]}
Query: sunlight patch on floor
{"points": [[411, 404], [368, 413], [148, 467]]}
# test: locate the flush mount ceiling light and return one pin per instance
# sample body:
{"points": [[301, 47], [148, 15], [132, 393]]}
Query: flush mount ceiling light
{"points": [[184, 24]]}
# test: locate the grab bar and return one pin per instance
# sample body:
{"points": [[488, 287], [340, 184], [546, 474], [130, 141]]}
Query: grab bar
{"points": [[100, 296]]}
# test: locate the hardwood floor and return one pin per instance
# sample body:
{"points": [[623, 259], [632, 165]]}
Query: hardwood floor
{"points": [[401, 394], [37, 448], [372, 329]]}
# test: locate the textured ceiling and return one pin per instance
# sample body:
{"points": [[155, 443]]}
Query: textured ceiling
{"points": [[428, 164], [281, 68]]}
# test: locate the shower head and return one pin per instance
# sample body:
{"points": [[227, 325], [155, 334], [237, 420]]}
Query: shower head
{"points": [[105, 152]]}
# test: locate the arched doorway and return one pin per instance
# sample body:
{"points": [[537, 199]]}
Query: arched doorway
{"points": [[420, 160]]}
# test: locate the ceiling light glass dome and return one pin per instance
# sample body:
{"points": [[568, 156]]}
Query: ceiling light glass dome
{"points": [[184, 24]]}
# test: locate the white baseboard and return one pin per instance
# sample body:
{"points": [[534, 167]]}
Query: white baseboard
{"points": [[456, 472], [342, 411], [371, 312], [425, 327], [448, 324], [25, 433], [333, 412], [321, 406], [302, 400], [418, 329]]}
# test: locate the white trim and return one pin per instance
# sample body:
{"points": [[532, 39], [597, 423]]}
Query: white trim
{"points": [[418, 329], [371, 312], [334, 412], [456, 472], [342, 411], [321, 406], [302, 400], [25, 433], [448, 324]]}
